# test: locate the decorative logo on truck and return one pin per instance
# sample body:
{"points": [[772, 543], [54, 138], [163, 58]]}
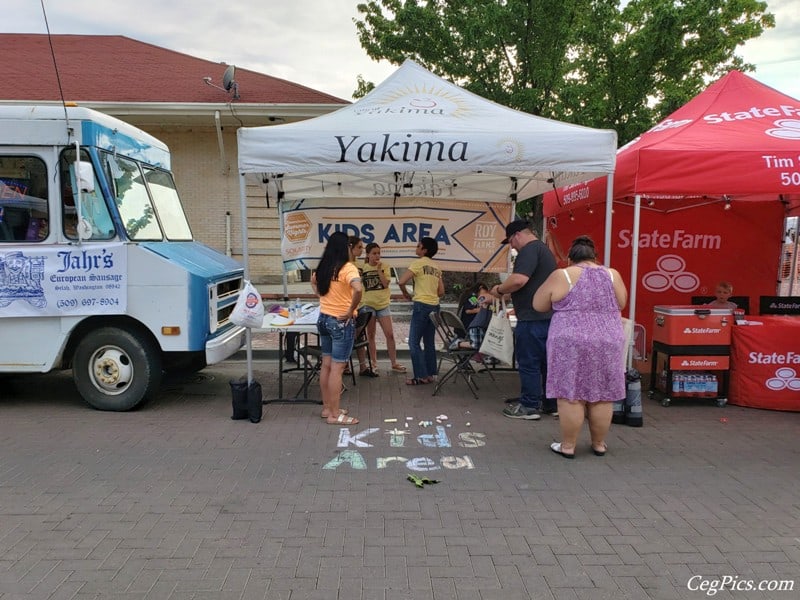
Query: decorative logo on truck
{"points": [[21, 279]]}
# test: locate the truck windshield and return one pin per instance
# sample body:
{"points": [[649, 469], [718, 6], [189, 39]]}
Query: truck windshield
{"points": [[168, 205], [147, 201]]}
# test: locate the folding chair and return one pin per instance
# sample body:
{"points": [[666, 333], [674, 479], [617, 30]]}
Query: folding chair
{"points": [[454, 323], [360, 340], [312, 357], [450, 329]]}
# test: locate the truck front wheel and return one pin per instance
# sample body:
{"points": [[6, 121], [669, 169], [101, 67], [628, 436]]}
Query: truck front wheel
{"points": [[115, 369]]}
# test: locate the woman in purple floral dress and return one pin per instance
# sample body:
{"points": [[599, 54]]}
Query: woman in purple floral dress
{"points": [[585, 345]]}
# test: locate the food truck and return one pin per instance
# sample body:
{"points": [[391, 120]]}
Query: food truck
{"points": [[98, 269]]}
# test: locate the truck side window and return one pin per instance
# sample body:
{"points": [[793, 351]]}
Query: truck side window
{"points": [[93, 206], [24, 212]]}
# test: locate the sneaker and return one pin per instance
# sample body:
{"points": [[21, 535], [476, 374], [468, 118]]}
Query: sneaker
{"points": [[518, 411], [553, 412]]}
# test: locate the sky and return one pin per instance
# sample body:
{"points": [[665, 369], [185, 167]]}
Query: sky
{"points": [[310, 42]]}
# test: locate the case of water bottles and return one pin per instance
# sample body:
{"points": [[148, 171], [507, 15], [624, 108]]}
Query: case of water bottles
{"points": [[690, 384]]}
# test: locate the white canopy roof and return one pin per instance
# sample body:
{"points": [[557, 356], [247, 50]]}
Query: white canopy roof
{"points": [[417, 135]]}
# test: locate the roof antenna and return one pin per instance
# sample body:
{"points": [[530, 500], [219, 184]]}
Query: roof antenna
{"points": [[55, 67], [228, 82]]}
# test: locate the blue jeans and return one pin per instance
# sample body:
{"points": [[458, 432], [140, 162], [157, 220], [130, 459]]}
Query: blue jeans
{"points": [[421, 329], [530, 345], [336, 337]]}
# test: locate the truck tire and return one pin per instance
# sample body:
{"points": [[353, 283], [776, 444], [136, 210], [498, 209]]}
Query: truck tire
{"points": [[115, 369]]}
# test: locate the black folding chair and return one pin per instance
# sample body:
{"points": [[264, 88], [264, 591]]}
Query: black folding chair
{"points": [[360, 340], [450, 330], [311, 365], [454, 324], [312, 355]]}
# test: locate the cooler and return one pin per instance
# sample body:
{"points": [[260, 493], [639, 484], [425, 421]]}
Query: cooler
{"points": [[692, 325], [691, 353]]}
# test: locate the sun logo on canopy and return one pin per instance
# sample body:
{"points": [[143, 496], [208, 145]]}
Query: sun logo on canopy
{"points": [[511, 148], [419, 100]]}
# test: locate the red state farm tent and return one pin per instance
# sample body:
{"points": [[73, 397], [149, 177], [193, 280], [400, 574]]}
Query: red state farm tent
{"points": [[684, 192], [738, 139]]}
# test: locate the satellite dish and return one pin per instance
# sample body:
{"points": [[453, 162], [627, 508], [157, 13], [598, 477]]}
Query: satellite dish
{"points": [[228, 78]]}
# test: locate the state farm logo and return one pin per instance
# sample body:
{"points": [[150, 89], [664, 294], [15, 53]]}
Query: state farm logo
{"points": [[671, 273], [297, 227], [785, 379], [787, 129], [703, 363], [701, 330]]}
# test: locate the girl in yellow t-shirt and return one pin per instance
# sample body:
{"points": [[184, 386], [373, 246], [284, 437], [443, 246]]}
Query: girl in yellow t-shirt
{"points": [[428, 288], [377, 295]]}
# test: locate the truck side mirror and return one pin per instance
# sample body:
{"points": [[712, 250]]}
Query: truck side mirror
{"points": [[84, 173]]}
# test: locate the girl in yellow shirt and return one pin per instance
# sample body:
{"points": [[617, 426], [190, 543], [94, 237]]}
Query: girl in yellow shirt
{"points": [[428, 288]]}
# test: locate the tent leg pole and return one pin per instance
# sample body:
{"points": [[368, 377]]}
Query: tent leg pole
{"points": [[637, 204], [246, 262], [609, 213]]}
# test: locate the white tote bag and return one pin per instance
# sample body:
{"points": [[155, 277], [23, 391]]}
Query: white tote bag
{"points": [[249, 310], [499, 338]]}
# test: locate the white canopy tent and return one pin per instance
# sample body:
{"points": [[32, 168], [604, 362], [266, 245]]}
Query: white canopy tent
{"points": [[417, 135]]}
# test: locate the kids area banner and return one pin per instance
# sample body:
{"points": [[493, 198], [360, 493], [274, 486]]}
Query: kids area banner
{"points": [[67, 280], [684, 253], [469, 233]]}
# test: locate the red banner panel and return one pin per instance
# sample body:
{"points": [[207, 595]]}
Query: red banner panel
{"points": [[765, 364], [684, 253]]}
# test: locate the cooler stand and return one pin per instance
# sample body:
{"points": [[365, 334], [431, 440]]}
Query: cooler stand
{"points": [[680, 359], [695, 345]]}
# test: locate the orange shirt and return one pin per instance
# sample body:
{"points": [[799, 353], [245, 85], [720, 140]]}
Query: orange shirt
{"points": [[336, 302]]}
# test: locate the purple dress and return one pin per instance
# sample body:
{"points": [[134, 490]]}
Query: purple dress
{"points": [[586, 342]]}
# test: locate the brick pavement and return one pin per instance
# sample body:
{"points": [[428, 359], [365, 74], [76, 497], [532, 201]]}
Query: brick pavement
{"points": [[175, 501]]}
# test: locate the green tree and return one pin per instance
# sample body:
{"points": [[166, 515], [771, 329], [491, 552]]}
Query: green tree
{"points": [[599, 63]]}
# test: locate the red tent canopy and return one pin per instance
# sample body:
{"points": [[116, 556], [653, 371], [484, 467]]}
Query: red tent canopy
{"points": [[738, 140]]}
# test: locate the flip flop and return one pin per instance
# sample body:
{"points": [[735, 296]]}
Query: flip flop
{"points": [[415, 381], [556, 447], [343, 420], [342, 411], [600, 452], [399, 369]]}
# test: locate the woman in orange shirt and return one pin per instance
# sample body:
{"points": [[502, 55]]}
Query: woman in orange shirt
{"points": [[338, 284]]}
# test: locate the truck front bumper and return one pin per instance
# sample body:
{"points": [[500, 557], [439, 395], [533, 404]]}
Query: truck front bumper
{"points": [[225, 345]]}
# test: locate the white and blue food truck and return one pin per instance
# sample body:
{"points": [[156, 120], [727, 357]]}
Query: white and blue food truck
{"points": [[98, 269]]}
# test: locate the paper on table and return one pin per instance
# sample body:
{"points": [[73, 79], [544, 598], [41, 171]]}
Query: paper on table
{"points": [[310, 317]]}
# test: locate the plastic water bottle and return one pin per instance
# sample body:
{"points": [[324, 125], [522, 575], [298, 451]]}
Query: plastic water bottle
{"points": [[297, 310], [677, 383], [714, 385]]}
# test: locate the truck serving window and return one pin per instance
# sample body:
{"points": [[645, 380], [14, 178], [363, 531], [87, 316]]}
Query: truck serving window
{"points": [[24, 212]]}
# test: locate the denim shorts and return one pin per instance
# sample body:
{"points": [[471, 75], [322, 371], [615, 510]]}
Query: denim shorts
{"points": [[336, 337], [384, 312]]}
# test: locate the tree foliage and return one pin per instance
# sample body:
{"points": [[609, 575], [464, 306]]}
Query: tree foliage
{"points": [[599, 63]]}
